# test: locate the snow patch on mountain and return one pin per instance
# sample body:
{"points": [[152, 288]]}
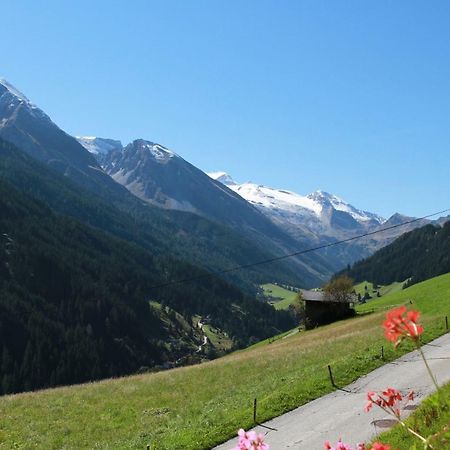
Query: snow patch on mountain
{"points": [[159, 152], [99, 146]]}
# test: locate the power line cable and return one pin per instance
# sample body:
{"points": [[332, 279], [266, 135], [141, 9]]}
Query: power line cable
{"points": [[297, 253]]}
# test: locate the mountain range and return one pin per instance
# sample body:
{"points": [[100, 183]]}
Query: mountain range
{"points": [[185, 235], [274, 221], [323, 218], [316, 214], [162, 178], [282, 219]]}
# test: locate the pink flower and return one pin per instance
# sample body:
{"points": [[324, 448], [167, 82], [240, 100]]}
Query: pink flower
{"points": [[249, 440], [259, 444], [339, 446], [361, 446]]}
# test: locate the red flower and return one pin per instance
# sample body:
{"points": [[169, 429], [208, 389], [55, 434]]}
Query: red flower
{"points": [[370, 401], [389, 400], [401, 323], [392, 396], [380, 446]]}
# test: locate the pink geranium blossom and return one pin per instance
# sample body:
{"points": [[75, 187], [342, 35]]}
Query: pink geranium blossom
{"points": [[249, 440], [341, 446]]}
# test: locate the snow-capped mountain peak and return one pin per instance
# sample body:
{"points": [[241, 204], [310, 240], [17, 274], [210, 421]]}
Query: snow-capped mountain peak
{"points": [[98, 145], [11, 99], [223, 177], [101, 147], [320, 195], [276, 198], [12, 90], [267, 197], [326, 199], [316, 211]]}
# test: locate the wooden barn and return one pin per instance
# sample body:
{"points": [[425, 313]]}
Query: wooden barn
{"points": [[320, 311]]}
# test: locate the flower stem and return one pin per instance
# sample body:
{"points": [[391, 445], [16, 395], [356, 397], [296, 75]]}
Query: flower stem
{"points": [[410, 430], [427, 366], [414, 433]]}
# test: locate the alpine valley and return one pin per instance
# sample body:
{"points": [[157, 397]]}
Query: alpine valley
{"points": [[112, 256]]}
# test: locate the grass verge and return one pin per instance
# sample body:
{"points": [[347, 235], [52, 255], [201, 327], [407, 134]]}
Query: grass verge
{"points": [[430, 419]]}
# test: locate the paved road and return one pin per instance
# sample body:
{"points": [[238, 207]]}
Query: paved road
{"points": [[340, 414]]}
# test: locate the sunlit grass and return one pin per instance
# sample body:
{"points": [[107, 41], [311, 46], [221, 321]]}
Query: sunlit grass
{"points": [[282, 297], [383, 290]]}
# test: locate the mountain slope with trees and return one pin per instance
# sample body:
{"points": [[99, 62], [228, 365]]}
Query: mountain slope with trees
{"points": [[74, 301], [185, 236], [415, 256]]}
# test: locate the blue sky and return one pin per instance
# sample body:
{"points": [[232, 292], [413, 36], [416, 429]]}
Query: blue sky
{"points": [[351, 97]]}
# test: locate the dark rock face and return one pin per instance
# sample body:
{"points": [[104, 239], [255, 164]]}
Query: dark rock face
{"points": [[29, 128], [159, 176]]}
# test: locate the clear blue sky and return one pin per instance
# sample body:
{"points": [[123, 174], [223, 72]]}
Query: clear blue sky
{"points": [[351, 97]]}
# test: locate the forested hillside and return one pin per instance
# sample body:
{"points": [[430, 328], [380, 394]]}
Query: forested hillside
{"points": [[74, 301], [186, 236], [415, 256]]}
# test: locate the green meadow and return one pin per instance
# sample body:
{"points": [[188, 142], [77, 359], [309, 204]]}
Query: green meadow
{"points": [[199, 406], [278, 296], [383, 290]]}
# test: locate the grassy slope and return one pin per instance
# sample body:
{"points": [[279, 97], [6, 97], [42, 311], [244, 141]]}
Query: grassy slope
{"points": [[429, 419], [282, 297], [384, 290], [429, 296], [219, 339], [199, 406]]}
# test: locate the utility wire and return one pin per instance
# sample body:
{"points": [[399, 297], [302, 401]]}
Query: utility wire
{"points": [[300, 252]]}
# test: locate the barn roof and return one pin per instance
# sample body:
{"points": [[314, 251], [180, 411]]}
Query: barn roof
{"points": [[314, 296], [318, 296]]}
